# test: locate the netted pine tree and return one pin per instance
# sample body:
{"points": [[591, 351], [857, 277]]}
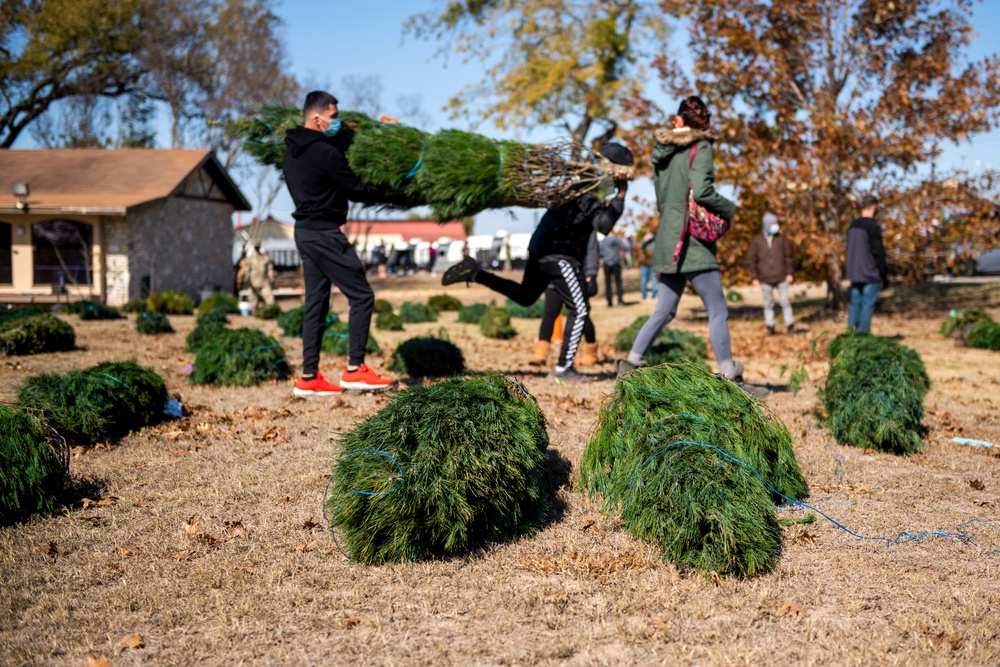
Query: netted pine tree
{"points": [[533, 312], [150, 323], [241, 357], [388, 321], [441, 471], [444, 302], [472, 314], [670, 347], [34, 460], [336, 340], [984, 335], [495, 323], [170, 302], [219, 302], [35, 334], [417, 312], [427, 357]]}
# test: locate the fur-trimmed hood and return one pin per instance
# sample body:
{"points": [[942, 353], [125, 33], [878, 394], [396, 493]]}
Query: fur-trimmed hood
{"points": [[682, 136]]}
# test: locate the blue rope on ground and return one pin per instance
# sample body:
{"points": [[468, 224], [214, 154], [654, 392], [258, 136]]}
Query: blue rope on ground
{"points": [[326, 492], [899, 539]]}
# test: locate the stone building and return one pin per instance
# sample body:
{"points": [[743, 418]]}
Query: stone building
{"points": [[114, 225]]}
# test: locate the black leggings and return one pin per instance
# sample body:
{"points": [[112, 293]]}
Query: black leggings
{"points": [[553, 304], [566, 277]]}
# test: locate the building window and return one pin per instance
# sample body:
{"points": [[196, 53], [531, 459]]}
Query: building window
{"points": [[6, 254], [62, 252]]}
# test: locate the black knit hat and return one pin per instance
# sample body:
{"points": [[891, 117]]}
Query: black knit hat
{"points": [[617, 153]]}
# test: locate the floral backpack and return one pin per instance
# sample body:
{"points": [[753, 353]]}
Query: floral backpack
{"points": [[699, 221]]}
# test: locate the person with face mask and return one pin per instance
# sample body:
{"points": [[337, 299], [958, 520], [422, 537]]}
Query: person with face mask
{"points": [[321, 184], [770, 264]]}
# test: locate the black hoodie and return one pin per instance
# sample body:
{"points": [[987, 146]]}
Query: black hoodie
{"points": [[320, 180]]}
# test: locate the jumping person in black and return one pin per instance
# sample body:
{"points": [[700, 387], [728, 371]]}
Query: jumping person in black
{"points": [[321, 184], [555, 255]]}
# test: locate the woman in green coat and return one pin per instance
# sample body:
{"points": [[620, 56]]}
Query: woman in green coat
{"points": [[682, 158]]}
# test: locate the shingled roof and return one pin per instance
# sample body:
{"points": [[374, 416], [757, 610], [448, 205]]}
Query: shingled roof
{"points": [[110, 182]]}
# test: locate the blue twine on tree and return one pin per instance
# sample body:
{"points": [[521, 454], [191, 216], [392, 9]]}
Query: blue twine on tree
{"points": [[326, 492], [418, 166], [910, 537]]}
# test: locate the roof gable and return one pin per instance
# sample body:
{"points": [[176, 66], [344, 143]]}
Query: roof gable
{"points": [[96, 181]]}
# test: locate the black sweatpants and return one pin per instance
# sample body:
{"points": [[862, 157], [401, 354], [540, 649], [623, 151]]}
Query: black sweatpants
{"points": [[566, 275], [553, 304], [613, 272], [328, 258]]}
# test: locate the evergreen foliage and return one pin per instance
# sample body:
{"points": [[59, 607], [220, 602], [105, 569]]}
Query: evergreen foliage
{"points": [[241, 357], [984, 335], [962, 319], [205, 331], [96, 310], [291, 321], [705, 511], [495, 323], [33, 465], [222, 302], [267, 311], [36, 333], [427, 357], [11, 313], [874, 394], [417, 312], [101, 403], [688, 394], [388, 321], [134, 306], [457, 174], [470, 452], [472, 314], [336, 341], [670, 347], [170, 302], [533, 312], [382, 306], [444, 302], [216, 316], [152, 322]]}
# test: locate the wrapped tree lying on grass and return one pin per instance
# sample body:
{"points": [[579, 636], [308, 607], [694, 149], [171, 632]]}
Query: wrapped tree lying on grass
{"points": [[36, 333], [99, 404], [33, 464], [671, 346], [11, 313], [150, 323], [170, 302], [427, 357], [689, 393], [388, 321], [472, 314], [974, 327], [495, 323], [336, 340], [443, 302], [962, 319], [417, 312], [206, 330], [241, 357], [457, 174], [441, 471], [219, 302], [93, 310], [533, 312], [291, 321], [874, 394]]}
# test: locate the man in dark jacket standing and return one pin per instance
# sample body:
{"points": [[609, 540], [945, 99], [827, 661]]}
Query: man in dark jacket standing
{"points": [[612, 250], [321, 184], [770, 264], [866, 268], [556, 254]]}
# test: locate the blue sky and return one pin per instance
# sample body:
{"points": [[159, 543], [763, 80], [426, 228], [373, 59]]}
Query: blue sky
{"points": [[328, 41]]}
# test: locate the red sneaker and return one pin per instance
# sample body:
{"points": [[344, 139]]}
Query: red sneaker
{"points": [[363, 378], [318, 386]]}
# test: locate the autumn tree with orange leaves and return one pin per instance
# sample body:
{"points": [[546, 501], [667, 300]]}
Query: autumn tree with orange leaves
{"points": [[817, 101]]}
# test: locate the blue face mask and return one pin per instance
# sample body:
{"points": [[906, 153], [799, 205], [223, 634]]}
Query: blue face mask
{"points": [[333, 129], [773, 230]]}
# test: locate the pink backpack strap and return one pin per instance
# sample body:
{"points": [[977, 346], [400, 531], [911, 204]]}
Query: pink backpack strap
{"points": [[684, 230]]}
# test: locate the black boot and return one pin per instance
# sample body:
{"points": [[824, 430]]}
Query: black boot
{"points": [[770, 329]]}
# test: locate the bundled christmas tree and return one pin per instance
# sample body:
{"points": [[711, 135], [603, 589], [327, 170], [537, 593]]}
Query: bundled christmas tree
{"points": [[688, 394], [984, 335], [291, 321], [10, 313], [219, 302], [874, 394], [93, 310], [388, 321], [36, 333], [242, 357], [101, 403], [457, 174], [336, 340], [441, 471], [533, 312], [417, 312], [962, 319], [427, 357], [151, 323], [33, 464], [472, 314], [267, 311], [443, 302], [206, 330], [170, 302], [382, 306], [670, 347], [495, 323]]}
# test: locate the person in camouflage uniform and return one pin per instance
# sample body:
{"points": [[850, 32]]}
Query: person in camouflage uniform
{"points": [[260, 275]]}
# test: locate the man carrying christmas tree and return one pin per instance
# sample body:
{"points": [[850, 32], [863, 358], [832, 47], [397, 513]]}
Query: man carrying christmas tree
{"points": [[321, 184], [555, 255]]}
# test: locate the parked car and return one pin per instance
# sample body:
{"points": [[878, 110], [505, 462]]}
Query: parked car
{"points": [[988, 263]]}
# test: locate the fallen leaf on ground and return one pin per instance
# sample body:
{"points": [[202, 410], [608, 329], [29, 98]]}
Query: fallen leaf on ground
{"points": [[49, 549], [94, 661], [348, 623], [192, 528], [236, 530], [133, 641], [104, 502], [127, 550], [977, 484], [308, 546], [182, 555], [309, 524], [791, 609], [662, 623]]}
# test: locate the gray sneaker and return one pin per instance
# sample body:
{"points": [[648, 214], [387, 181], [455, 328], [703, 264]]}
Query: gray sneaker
{"points": [[757, 391], [568, 376], [624, 366], [464, 271]]}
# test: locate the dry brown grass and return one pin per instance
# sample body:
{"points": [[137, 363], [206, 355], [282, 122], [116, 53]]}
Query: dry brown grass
{"points": [[204, 536]]}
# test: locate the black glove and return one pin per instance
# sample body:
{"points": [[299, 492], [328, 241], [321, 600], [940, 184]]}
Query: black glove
{"points": [[885, 283], [591, 286]]}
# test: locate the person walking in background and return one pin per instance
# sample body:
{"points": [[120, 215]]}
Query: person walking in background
{"points": [[770, 265], [683, 162], [321, 184], [866, 267], [613, 248], [644, 258]]}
